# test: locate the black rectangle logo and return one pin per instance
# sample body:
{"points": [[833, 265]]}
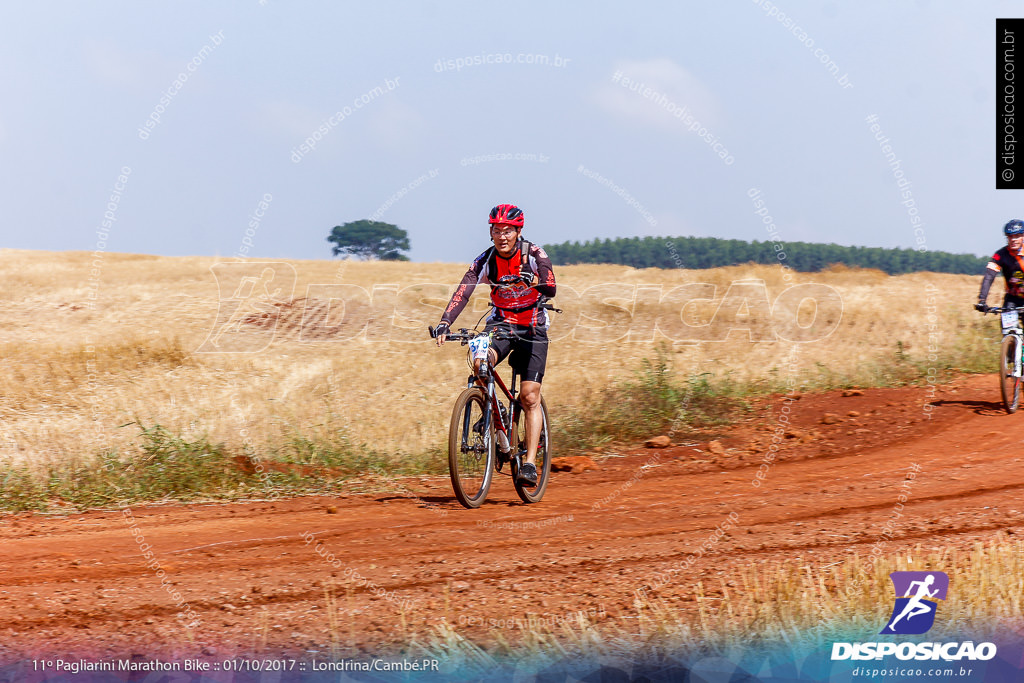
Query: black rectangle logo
{"points": [[1009, 116]]}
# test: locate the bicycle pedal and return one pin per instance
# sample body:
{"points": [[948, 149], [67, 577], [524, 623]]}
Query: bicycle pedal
{"points": [[500, 460]]}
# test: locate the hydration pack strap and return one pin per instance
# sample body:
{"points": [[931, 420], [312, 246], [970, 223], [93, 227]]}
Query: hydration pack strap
{"points": [[524, 260]]}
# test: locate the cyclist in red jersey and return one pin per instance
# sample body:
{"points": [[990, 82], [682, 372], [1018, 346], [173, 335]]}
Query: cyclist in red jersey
{"points": [[519, 274], [1010, 262]]}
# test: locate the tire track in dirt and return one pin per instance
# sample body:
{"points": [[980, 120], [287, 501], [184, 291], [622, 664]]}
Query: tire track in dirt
{"points": [[78, 583]]}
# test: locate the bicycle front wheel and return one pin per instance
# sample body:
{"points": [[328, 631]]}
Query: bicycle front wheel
{"points": [[533, 494], [471, 448], [1008, 384]]}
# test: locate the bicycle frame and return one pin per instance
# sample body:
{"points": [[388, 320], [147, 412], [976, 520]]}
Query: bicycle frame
{"points": [[494, 414]]}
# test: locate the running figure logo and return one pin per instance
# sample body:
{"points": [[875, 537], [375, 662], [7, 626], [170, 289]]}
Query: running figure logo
{"points": [[917, 596], [249, 297]]}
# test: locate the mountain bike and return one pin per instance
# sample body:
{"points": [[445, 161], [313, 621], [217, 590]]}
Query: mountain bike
{"points": [[1010, 355], [484, 436]]}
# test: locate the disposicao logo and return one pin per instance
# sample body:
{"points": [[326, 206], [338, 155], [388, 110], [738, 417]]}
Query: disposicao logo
{"points": [[917, 594], [913, 613]]}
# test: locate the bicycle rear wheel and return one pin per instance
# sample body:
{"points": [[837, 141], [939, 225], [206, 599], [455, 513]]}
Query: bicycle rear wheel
{"points": [[1008, 384], [533, 494], [471, 448]]}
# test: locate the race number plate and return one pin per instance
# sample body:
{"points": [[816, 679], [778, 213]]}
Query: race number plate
{"points": [[478, 347], [1010, 319]]}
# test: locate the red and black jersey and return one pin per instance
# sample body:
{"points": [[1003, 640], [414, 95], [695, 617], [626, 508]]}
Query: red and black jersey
{"points": [[514, 301], [1013, 271]]}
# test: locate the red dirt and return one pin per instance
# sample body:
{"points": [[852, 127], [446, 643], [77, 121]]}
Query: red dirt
{"points": [[78, 584]]}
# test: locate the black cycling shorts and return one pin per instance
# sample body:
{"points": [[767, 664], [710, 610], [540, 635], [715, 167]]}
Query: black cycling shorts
{"points": [[529, 350]]}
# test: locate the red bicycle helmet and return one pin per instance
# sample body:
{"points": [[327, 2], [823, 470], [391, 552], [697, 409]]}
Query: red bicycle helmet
{"points": [[507, 213]]}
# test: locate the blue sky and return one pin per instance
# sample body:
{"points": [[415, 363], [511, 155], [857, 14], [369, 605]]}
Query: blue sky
{"points": [[80, 79]]}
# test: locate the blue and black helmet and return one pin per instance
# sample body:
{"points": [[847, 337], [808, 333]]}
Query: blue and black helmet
{"points": [[1014, 227]]}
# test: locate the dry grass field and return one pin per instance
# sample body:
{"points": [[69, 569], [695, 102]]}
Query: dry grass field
{"points": [[293, 359], [802, 606], [93, 344]]}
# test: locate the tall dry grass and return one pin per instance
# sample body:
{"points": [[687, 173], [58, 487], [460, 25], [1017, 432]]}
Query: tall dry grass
{"points": [[75, 373], [798, 605]]}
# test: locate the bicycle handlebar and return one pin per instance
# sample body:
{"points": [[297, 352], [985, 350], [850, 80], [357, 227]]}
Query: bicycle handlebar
{"points": [[544, 302], [464, 335]]}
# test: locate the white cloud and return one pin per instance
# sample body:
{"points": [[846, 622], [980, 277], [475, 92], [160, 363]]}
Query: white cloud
{"points": [[651, 92]]}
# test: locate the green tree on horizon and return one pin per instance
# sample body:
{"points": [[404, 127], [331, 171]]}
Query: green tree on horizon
{"points": [[370, 240]]}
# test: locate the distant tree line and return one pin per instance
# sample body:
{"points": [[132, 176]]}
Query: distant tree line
{"points": [[711, 252]]}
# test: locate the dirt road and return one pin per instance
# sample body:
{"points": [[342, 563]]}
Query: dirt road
{"points": [[363, 571]]}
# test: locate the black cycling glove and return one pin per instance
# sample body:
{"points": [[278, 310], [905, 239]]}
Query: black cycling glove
{"points": [[442, 328], [980, 306]]}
